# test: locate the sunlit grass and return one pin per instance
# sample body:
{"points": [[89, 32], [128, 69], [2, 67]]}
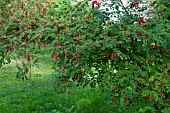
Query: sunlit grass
{"points": [[41, 97]]}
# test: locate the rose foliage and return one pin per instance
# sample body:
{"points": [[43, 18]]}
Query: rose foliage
{"points": [[129, 58]]}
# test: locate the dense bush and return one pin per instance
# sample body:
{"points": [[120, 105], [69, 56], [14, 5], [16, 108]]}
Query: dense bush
{"points": [[128, 58]]}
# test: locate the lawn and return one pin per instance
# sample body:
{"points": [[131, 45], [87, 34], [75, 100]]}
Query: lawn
{"points": [[42, 97]]}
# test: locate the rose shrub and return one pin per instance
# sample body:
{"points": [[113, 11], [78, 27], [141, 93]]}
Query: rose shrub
{"points": [[129, 59]]}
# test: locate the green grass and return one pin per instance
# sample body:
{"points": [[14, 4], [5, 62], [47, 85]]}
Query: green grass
{"points": [[19, 97]]}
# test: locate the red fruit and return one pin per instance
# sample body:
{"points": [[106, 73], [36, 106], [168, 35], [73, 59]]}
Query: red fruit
{"points": [[130, 37], [78, 59], [138, 34], [25, 38], [163, 68], [103, 41], [23, 15], [137, 84], [27, 13], [74, 35], [53, 2], [72, 59], [87, 17], [6, 49], [94, 2], [166, 76], [147, 36], [92, 46], [14, 21], [114, 88], [147, 97], [149, 60], [150, 46], [136, 3], [113, 99], [6, 32], [77, 53], [37, 4], [26, 69], [98, 4], [125, 101], [161, 84], [28, 57], [108, 55], [68, 93], [63, 67], [161, 93], [105, 33], [127, 98], [6, 39], [164, 50], [53, 55], [57, 32], [0, 22], [56, 25], [144, 79], [14, 10], [114, 56], [64, 79], [44, 9], [154, 83], [28, 25], [17, 30], [133, 94], [64, 27], [160, 12], [82, 72], [67, 55], [141, 20], [44, 44], [74, 74], [150, 97], [22, 79], [58, 43], [25, 46], [156, 45]]}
